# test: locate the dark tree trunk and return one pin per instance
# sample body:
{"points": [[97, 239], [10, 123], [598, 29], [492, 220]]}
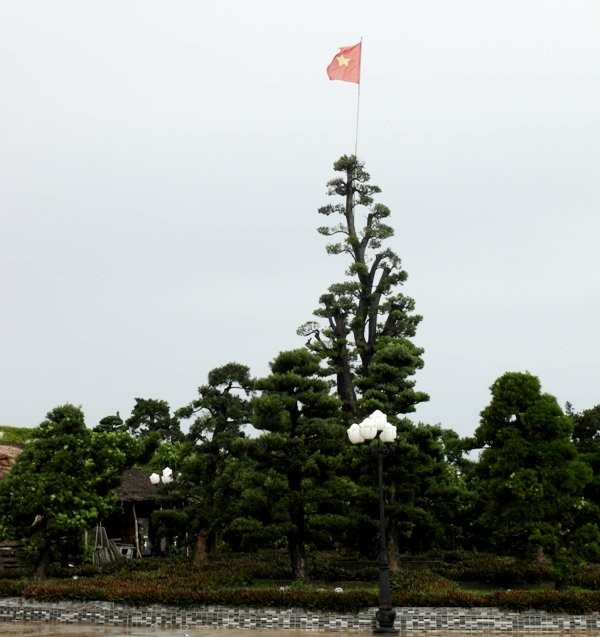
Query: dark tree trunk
{"points": [[202, 547], [345, 387], [393, 549], [296, 512], [39, 572], [296, 550]]}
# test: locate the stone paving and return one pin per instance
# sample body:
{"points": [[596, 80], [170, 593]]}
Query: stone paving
{"points": [[454, 621]]}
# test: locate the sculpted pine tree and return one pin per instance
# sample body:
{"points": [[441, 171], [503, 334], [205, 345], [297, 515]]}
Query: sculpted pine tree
{"points": [[529, 477], [299, 450], [207, 471], [367, 322]]}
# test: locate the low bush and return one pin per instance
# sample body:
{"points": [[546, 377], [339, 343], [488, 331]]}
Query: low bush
{"points": [[230, 581], [173, 594], [12, 586], [420, 581], [588, 577], [493, 570]]}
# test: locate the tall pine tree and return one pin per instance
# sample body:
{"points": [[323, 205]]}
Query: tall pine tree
{"points": [[299, 449], [366, 322]]}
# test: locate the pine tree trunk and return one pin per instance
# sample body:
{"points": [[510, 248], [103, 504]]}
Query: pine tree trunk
{"points": [[296, 535], [201, 549], [296, 550], [393, 550], [39, 572]]}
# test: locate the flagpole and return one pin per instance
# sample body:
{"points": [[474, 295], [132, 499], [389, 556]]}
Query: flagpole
{"points": [[358, 101]]}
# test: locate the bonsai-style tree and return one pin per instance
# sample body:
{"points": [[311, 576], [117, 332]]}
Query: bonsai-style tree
{"points": [[203, 489], [529, 478], [366, 322], [299, 450]]}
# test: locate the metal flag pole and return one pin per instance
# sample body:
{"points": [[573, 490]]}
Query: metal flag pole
{"points": [[358, 101]]}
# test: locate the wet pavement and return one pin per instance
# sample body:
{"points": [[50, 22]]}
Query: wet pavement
{"points": [[23, 629], [29, 629]]}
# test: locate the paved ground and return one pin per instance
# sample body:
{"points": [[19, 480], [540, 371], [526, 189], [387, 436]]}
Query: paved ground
{"points": [[28, 629]]}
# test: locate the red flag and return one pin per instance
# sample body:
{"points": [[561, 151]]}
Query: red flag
{"points": [[345, 65]]}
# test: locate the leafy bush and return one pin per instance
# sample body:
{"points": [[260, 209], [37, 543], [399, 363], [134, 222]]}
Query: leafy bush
{"points": [[588, 577], [12, 586], [424, 582], [494, 570], [174, 594], [551, 601], [335, 570], [18, 435], [228, 581]]}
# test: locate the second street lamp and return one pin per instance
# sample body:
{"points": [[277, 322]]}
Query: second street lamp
{"points": [[376, 427], [167, 476]]}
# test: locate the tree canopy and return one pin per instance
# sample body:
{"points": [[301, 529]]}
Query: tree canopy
{"points": [[61, 485], [300, 445], [530, 479]]}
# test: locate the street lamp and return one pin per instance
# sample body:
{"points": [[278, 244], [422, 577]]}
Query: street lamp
{"points": [[376, 427], [167, 476]]}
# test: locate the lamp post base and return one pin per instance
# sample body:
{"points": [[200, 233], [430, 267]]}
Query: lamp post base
{"points": [[385, 621]]}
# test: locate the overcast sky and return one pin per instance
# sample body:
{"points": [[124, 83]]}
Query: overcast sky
{"points": [[162, 162]]}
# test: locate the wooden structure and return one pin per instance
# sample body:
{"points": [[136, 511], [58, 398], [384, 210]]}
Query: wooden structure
{"points": [[130, 527]]}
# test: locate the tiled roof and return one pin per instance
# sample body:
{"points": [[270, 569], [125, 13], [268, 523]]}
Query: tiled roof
{"points": [[136, 486]]}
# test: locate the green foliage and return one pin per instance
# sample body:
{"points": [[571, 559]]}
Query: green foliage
{"points": [[298, 453], [586, 429], [16, 435], [222, 404], [150, 416], [238, 581], [336, 570], [428, 498], [389, 386], [60, 485], [262, 580], [586, 437], [425, 582], [111, 423], [12, 587], [492, 570], [366, 322], [529, 479], [551, 601], [588, 577], [208, 463]]}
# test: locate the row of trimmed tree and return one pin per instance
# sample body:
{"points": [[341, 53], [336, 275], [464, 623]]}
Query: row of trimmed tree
{"points": [[266, 462]]}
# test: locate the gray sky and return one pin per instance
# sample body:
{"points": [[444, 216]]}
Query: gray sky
{"points": [[161, 165]]}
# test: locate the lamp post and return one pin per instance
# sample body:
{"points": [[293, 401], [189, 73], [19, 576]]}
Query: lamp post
{"points": [[376, 427], [167, 476]]}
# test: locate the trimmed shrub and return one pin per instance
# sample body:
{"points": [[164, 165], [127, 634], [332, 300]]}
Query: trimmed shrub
{"points": [[218, 581], [12, 587], [588, 577], [493, 570]]}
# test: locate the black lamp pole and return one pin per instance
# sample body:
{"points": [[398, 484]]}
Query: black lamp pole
{"points": [[386, 614], [376, 427]]}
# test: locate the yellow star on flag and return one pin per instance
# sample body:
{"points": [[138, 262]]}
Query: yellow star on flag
{"points": [[343, 61]]}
